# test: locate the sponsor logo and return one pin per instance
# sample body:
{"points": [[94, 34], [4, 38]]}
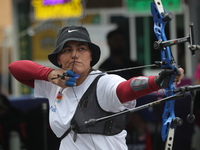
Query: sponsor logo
{"points": [[72, 31], [53, 109]]}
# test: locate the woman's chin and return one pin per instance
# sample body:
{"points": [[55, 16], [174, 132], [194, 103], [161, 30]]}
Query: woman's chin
{"points": [[81, 71]]}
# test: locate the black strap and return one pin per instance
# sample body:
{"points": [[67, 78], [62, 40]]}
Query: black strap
{"points": [[66, 133]]}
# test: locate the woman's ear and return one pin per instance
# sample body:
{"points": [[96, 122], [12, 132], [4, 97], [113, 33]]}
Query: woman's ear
{"points": [[58, 60], [90, 54]]}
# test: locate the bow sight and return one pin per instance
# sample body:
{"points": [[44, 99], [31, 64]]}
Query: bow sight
{"points": [[189, 38]]}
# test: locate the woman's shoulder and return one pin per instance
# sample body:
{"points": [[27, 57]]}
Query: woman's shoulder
{"points": [[106, 78]]}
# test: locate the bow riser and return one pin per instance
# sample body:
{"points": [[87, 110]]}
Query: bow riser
{"points": [[159, 30], [166, 56]]}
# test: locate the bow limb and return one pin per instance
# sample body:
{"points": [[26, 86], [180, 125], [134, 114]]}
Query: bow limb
{"points": [[161, 18]]}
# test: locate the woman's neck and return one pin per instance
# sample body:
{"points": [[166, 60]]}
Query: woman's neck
{"points": [[82, 77]]}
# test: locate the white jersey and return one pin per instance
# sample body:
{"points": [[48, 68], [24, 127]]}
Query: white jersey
{"points": [[61, 112]]}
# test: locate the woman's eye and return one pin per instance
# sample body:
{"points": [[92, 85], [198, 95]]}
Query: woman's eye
{"points": [[66, 50], [81, 48]]}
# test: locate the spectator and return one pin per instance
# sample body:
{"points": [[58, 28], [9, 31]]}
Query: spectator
{"points": [[118, 59]]}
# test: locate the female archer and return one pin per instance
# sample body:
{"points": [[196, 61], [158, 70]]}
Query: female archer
{"points": [[76, 92]]}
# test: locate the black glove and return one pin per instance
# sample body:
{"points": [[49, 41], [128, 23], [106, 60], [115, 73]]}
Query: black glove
{"points": [[163, 78]]}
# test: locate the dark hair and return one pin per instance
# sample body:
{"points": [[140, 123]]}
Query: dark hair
{"points": [[114, 32]]}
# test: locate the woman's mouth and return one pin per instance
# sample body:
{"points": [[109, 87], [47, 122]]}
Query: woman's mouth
{"points": [[74, 62]]}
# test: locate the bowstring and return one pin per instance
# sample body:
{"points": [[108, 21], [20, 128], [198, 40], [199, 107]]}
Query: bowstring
{"points": [[110, 71], [119, 70], [78, 99]]}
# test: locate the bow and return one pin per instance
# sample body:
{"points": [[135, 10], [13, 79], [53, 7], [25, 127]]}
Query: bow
{"points": [[161, 18]]}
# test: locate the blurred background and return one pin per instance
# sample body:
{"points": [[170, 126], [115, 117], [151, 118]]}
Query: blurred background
{"points": [[28, 30]]}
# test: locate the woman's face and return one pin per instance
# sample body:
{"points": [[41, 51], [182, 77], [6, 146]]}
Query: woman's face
{"points": [[75, 56]]}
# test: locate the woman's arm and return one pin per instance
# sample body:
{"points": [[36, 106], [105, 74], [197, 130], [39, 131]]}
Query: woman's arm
{"points": [[136, 87], [139, 86], [26, 71]]}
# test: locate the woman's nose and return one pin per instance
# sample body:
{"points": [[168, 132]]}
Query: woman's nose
{"points": [[74, 53]]}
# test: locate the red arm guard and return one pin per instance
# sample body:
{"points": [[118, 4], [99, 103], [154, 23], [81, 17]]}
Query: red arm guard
{"points": [[26, 71], [125, 93]]}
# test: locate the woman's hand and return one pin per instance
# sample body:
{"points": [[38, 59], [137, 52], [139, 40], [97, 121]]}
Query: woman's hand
{"points": [[163, 78], [62, 78], [178, 78]]}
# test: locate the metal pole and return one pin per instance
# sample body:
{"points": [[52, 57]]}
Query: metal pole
{"points": [[133, 45], [6, 47], [15, 85], [191, 15]]}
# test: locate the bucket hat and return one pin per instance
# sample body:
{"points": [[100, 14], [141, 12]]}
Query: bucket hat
{"points": [[74, 33]]}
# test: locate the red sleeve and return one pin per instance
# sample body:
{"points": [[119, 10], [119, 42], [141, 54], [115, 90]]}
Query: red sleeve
{"points": [[125, 93], [26, 71]]}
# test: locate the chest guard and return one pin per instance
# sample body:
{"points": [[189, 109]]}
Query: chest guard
{"points": [[89, 108]]}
